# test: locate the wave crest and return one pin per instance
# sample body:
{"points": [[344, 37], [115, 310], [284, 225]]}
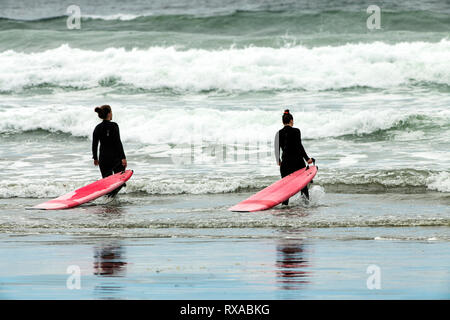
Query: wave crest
{"points": [[374, 65]]}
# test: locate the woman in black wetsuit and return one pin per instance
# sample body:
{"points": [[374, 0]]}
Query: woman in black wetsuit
{"points": [[112, 157], [294, 155]]}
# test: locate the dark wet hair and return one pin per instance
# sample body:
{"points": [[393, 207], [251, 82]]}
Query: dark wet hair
{"points": [[103, 111], [287, 117]]}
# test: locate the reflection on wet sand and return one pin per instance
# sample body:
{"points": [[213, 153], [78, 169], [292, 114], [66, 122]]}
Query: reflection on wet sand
{"points": [[104, 210], [292, 265], [109, 261], [109, 257]]}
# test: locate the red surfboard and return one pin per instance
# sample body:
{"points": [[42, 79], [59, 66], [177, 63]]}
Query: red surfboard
{"points": [[278, 192], [87, 193]]}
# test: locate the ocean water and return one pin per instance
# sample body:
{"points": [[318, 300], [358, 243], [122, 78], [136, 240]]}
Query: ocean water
{"points": [[198, 89]]}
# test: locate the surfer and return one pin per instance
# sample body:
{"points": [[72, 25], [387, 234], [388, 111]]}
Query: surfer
{"points": [[294, 154], [112, 157]]}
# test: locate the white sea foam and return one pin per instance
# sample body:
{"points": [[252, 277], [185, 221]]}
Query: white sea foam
{"points": [[178, 125], [377, 65], [36, 189], [439, 182], [154, 183], [316, 196], [350, 160], [119, 16]]}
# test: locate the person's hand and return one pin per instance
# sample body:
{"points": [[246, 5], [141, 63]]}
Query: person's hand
{"points": [[310, 161], [124, 163], [95, 162]]}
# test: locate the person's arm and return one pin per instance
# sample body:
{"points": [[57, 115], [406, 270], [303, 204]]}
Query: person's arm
{"points": [[120, 147], [277, 148], [95, 139], [302, 149]]}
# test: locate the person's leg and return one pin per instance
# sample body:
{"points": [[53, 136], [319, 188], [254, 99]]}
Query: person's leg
{"points": [[305, 192], [284, 170], [105, 170], [287, 170], [120, 168], [116, 169]]}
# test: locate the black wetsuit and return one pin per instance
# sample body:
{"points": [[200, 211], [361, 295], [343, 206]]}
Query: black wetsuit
{"points": [[294, 154], [111, 149]]}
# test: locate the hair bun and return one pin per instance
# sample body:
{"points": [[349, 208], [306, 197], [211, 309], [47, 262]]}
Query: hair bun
{"points": [[286, 111], [103, 111]]}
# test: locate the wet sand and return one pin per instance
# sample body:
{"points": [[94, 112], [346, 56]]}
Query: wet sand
{"points": [[35, 267], [192, 247]]}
